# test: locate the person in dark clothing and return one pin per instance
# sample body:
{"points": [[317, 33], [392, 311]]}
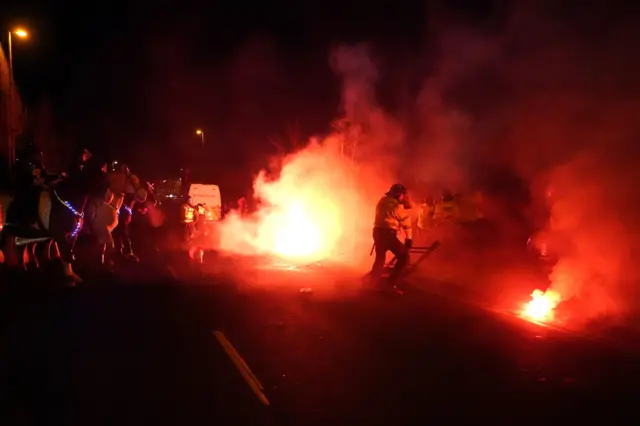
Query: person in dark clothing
{"points": [[121, 234], [29, 178], [97, 180], [28, 164], [79, 165]]}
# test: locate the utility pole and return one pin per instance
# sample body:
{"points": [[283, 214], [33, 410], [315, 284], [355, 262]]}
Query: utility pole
{"points": [[11, 113], [12, 150], [200, 133]]}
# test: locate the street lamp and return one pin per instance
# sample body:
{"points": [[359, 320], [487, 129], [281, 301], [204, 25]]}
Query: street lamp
{"points": [[20, 33], [200, 133]]}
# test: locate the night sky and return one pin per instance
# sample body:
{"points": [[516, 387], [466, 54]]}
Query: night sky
{"points": [[133, 80]]}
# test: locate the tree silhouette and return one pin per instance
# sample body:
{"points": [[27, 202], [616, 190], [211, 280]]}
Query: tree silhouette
{"points": [[290, 142]]}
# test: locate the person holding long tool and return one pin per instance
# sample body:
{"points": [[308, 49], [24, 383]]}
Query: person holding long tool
{"points": [[391, 217]]}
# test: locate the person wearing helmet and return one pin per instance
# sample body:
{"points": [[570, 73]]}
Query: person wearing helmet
{"points": [[391, 217], [447, 209]]}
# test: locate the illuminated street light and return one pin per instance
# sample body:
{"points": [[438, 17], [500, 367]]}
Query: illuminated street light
{"points": [[20, 33], [200, 133]]}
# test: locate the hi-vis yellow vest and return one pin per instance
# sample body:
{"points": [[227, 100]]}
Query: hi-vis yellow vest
{"points": [[446, 211], [391, 214]]}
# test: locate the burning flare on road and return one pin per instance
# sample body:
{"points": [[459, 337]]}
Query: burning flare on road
{"points": [[541, 306]]}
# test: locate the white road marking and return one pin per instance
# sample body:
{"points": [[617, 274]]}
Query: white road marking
{"points": [[242, 367], [172, 272]]}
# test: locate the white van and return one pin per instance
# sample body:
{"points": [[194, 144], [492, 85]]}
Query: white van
{"points": [[206, 201]]}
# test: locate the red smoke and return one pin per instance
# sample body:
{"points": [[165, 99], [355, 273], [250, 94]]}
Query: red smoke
{"points": [[555, 104]]}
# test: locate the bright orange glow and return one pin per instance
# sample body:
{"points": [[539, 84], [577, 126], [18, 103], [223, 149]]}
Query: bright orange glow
{"points": [[302, 233], [312, 211], [542, 305], [198, 132], [21, 33], [301, 223]]}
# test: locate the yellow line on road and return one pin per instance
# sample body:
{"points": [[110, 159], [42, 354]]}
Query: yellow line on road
{"points": [[242, 366]]}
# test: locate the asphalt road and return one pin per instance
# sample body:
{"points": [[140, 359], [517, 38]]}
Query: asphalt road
{"points": [[146, 353]]}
